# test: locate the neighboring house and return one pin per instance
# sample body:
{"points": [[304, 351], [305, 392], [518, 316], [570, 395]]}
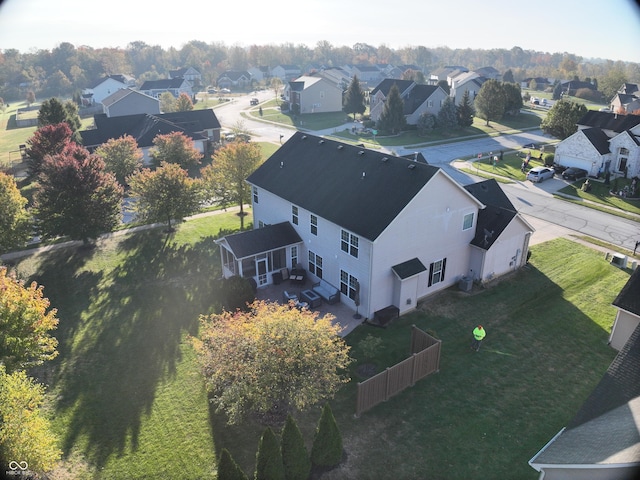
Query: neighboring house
{"points": [[109, 85], [628, 316], [127, 101], [193, 76], [368, 75], [313, 95], [418, 99], [234, 78], [541, 83], [260, 73], [602, 442], [469, 81], [605, 142], [175, 86], [286, 73], [572, 86], [399, 228], [443, 73], [337, 75], [489, 73], [627, 98], [202, 126]]}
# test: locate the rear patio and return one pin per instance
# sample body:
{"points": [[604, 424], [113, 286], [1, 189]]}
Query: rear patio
{"points": [[342, 313]]}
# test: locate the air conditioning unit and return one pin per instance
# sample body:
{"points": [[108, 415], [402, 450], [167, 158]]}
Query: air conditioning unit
{"points": [[465, 284], [619, 260]]}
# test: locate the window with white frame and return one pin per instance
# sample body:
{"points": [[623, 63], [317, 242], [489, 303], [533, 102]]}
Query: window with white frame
{"points": [[315, 264], [314, 225], [467, 223], [436, 271], [255, 194], [349, 243], [348, 284], [294, 214]]}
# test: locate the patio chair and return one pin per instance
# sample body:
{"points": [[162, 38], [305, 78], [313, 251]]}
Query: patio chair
{"points": [[287, 297], [298, 275]]}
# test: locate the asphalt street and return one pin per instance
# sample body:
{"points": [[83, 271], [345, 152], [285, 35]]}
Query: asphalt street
{"points": [[549, 215]]}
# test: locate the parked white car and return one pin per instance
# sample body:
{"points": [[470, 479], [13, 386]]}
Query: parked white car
{"points": [[539, 174]]}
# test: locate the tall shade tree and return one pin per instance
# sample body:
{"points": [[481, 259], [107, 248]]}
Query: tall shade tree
{"points": [[224, 180], [354, 99], [271, 359], [76, 197], [53, 111], [121, 156], [167, 102], [166, 194], [513, 98], [465, 110], [25, 323], [392, 118], [562, 119], [183, 103], [175, 147], [47, 140], [491, 101], [15, 221], [25, 433]]}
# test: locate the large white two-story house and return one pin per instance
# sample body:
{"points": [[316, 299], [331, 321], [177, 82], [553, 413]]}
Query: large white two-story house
{"points": [[398, 228]]}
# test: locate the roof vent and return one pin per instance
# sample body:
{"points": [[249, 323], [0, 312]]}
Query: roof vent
{"points": [[340, 147], [384, 159], [363, 175], [361, 152], [304, 137], [321, 142], [411, 166], [281, 164]]}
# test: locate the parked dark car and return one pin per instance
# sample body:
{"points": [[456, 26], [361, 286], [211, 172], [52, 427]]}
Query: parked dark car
{"points": [[558, 168], [254, 101], [574, 173]]}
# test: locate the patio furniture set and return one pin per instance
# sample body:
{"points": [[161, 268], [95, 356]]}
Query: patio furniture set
{"points": [[309, 297]]}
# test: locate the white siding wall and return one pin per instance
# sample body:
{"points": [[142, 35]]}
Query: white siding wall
{"points": [[106, 88], [578, 151], [505, 255], [430, 228]]}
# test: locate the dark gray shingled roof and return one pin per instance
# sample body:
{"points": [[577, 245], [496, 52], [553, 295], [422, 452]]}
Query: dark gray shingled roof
{"points": [[361, 190], [609, 121], [629, 297], [271, 237], [598, 139], [409, 268]]}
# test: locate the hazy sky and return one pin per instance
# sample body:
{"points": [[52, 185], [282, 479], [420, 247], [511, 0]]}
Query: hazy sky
{"points": [[589, 28]]}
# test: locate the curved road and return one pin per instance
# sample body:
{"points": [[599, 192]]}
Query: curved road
{"points": [[532, 200]]}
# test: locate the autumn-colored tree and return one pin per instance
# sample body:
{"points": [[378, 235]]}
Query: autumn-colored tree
{"points": [[30, 98], [327, 442], [15, 221], [269, 458], [228, 469], [295, 457], [121, 156], [175, 147], [47, 140], [273, 358], [76, 197], [183, 103], [25, 322], [164, 195], [224, 180], [25, 433]]}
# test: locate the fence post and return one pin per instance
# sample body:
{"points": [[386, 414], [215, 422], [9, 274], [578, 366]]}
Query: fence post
{"points": [[386, 384], [413, 369]]}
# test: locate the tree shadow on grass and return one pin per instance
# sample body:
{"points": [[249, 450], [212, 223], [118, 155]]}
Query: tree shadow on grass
{"points": [[132, 326]]}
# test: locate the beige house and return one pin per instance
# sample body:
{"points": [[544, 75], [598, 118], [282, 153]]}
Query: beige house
{"points": [[313, 95], [417, 99]]}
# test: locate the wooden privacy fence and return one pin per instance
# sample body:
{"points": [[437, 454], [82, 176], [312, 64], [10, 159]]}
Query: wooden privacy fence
{"points": [[424, 360]]}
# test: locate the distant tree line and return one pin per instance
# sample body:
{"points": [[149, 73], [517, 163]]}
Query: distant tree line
{"points": [[66, 70]]}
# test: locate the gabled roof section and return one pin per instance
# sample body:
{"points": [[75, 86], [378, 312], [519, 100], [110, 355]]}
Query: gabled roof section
{"points": [[417, 96], [260, 240], [122, 93], [361, 190], [598, 139], [490, 193], [234, 75], [629, 297], [609, 121], [385, 86], [162, 84], [145, 127], [409, 268]]}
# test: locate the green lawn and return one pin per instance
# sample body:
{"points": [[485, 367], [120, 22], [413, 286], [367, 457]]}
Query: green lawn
{"points": [[127, 400], [599, 193]]}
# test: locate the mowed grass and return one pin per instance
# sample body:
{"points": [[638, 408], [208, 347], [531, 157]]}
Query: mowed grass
{"points": [[127, 399]]}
